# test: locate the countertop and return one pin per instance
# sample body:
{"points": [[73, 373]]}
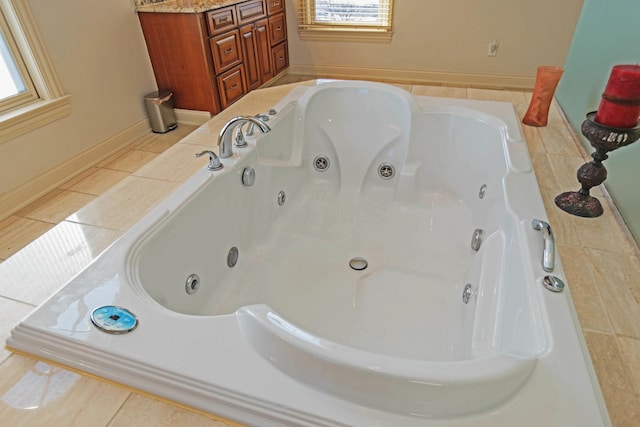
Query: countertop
{"points": [[186, 6]]}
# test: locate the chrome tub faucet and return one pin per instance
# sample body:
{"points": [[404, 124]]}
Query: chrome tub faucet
{"points": [[225, 140]]}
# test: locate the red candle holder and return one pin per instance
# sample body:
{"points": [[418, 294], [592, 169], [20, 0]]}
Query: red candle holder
{"points": [[604, 139], [620, 104]]}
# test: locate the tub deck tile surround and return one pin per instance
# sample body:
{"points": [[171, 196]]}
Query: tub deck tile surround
{"points": [[599, 257]]}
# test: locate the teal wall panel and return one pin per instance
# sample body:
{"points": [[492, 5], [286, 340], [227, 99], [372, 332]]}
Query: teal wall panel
{"points": [[608, 33]]}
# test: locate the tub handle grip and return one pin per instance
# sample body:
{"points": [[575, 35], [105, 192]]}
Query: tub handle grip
{"points": [[549, 252]]}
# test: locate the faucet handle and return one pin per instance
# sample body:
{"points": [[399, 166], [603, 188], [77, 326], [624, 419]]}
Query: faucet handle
{"points": [[214, 161], [252, 126], [240, 141]]}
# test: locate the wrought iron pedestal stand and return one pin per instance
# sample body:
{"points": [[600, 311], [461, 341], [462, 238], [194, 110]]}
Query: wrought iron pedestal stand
{"points": [[604, 139]]}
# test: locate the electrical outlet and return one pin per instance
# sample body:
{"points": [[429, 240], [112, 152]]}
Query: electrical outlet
{"points": [[493, 48]]}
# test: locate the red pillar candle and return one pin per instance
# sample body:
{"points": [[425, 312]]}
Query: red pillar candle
{"points": [[620, 105]]}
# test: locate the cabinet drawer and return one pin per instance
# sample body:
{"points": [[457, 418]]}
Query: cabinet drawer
{"points": [[280, 58], [221, 20], [231, 86], [277, 29], [251, 11], [275, 6], [226, 51]]}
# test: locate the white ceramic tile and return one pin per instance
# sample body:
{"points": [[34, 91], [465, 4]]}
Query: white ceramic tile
{"points": [[124, 204], [47, 263]]}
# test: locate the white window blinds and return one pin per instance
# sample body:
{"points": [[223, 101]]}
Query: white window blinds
{"points": [[345, 14]]}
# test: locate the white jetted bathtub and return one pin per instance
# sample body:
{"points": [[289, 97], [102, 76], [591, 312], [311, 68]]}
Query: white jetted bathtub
{"points": [[370, 260]]}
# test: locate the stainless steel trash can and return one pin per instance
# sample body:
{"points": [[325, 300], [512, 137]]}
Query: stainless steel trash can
{"points": [[160, 110]]}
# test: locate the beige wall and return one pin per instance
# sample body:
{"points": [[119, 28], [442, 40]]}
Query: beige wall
{"points": [[447, 40], [98, 51]]}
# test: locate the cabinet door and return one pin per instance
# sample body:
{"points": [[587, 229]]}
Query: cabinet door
{"points": [[250, 50], [280, 58], [277, 29], [257, 53], [226, 51], [263, 49], [232, 86]]}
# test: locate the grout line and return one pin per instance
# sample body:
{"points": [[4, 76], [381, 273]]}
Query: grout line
{"points": [[18, 301], [93, 225], [621, 335], [120, 408]]}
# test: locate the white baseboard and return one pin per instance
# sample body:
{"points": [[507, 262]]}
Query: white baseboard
{"points": [[20, 197], [192, 117], [416, 76]]}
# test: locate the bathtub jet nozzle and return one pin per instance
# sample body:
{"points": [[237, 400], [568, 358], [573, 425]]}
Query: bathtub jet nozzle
{"points": [[192, 284], [476, 239], [467, 293]]}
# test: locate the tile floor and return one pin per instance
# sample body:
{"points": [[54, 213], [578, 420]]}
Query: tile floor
{"points": [[45, 244]]}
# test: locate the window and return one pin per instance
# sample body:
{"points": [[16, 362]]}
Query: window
{"points": [[30, 93], [16, 87], [352, 20]]}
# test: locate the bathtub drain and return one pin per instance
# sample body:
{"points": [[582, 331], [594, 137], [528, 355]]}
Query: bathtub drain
{"points": [[321, 163], [386, 171]]}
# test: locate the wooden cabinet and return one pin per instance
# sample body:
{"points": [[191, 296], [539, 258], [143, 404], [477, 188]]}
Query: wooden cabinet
{"points": [[277, 29], [275, 6], [179, 53], [251, 11], [232, 86], [221, 20], [211, 59], [280, 55], [257, 53], [226, 51]]}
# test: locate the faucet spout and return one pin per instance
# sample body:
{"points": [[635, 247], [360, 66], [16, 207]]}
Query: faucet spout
{"points": [[225, 139]]}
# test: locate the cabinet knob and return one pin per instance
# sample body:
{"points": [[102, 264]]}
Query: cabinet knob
{"points": [[228, 51]]}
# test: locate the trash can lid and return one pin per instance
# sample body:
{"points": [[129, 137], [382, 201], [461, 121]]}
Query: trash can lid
{"points": [[159, 94]]}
